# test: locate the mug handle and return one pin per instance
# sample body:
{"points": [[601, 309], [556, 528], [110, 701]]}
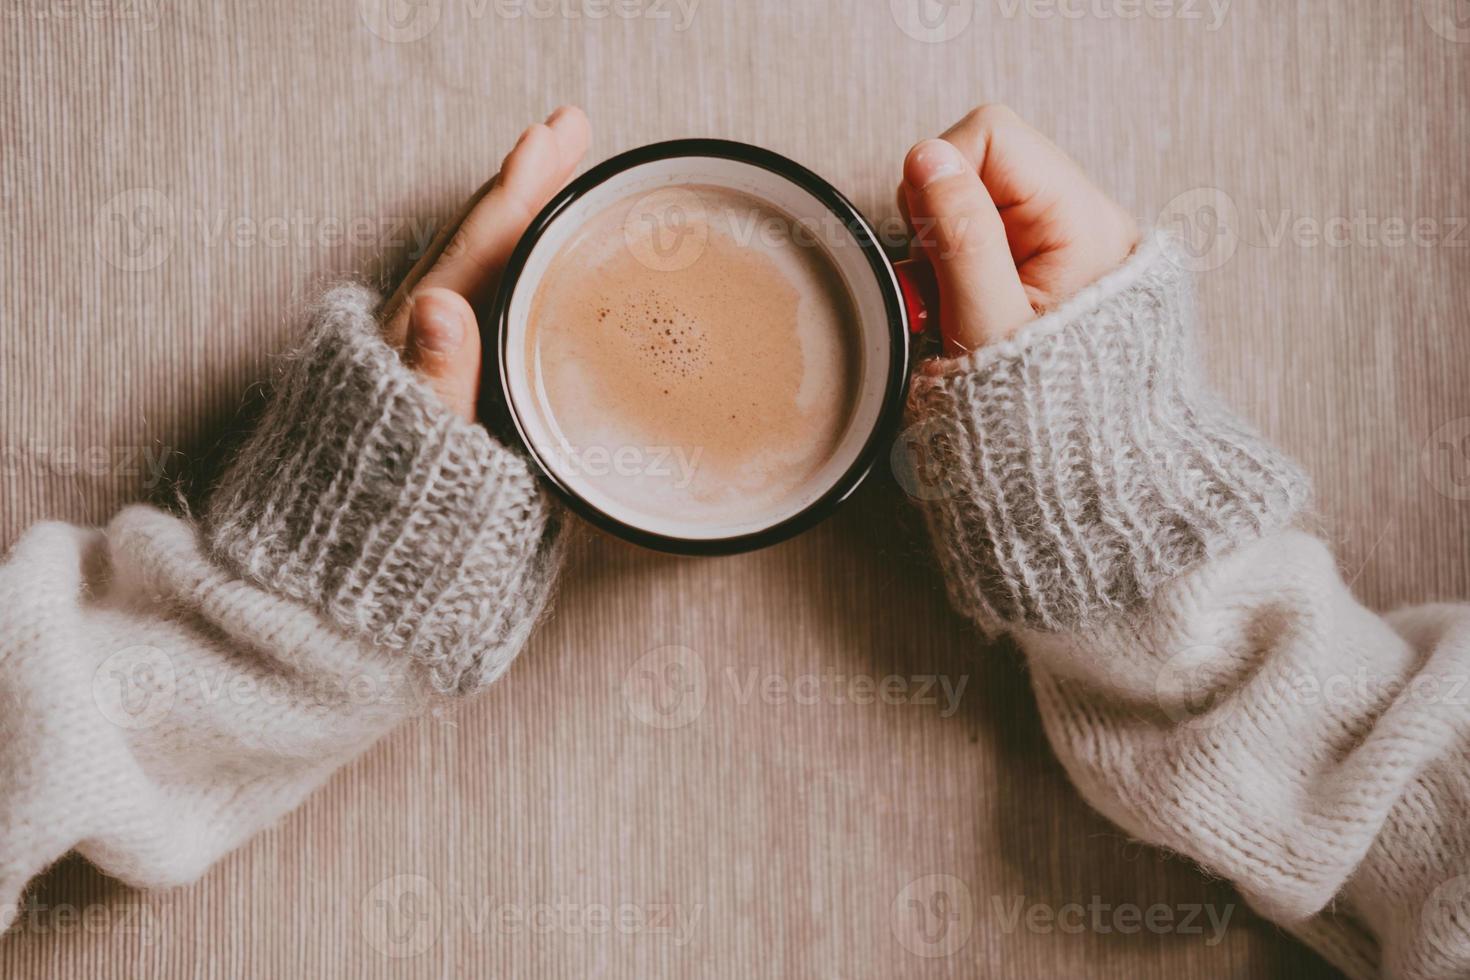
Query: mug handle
{"points": [[920, 295]]}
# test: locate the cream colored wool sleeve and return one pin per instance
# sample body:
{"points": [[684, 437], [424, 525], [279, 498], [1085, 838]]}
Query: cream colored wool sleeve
{"points": [[1202, 671], [168, 689]]}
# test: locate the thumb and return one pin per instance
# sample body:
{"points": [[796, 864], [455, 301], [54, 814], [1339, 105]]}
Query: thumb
{"points": [[981, 299], [444, 347]]}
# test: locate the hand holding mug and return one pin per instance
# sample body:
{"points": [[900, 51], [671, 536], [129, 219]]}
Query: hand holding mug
{"points": [[1010, 223], [431, 317]]}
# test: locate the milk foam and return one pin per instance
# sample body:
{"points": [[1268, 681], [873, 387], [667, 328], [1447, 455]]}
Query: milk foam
{"points": [[703, 368]]}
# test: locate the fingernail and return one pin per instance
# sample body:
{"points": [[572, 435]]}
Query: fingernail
{"points": [[933, 160], [437, 331], [556, 114]]}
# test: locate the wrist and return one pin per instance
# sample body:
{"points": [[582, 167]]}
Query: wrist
{"points": [[362, 496], [1084, 463]]}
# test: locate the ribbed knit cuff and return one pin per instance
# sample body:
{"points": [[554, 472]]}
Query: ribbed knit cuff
{"points": [[361, 496], [1083, 463]]}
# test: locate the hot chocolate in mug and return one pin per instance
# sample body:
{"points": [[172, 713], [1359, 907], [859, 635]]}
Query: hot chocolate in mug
{"points": [[703, 347]]}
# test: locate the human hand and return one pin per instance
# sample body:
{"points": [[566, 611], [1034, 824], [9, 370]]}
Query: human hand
{"points": [[1011, 224], [431, 317]]}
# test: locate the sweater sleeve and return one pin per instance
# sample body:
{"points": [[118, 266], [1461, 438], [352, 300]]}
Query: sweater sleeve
{"points": [[1203, 673], [171, 687]]}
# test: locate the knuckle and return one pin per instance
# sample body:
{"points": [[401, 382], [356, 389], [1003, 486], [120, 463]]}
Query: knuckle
{"points": [[459, 245], [522, 204], [468, 249], [991, 115]]}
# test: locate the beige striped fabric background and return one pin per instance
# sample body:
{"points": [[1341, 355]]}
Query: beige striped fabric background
{"points": [[177, 176]]}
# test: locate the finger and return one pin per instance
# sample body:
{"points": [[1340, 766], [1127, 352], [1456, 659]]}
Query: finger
{"points": [[1025, 173], [1064, 232], [1016, 162], [981, 298], [470, 254], [572, 134], [532, 173], [444, 347]]}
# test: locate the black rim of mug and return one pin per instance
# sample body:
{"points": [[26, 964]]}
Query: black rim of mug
{"points": [[896, 388]]}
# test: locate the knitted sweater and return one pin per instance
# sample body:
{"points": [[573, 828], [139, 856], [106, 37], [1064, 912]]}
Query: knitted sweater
{"points": [[169, 689], [1203, 673]]}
